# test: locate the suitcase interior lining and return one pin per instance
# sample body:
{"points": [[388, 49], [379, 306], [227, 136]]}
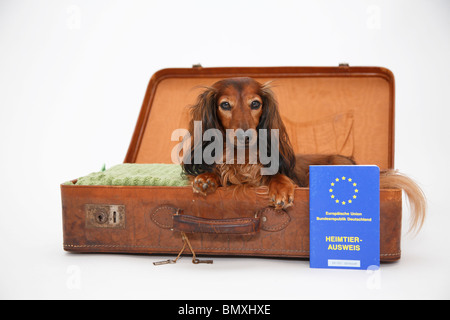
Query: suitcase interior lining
{"points": [[352, 116], [323, 115]]}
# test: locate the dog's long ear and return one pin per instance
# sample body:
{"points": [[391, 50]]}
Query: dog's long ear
{"points": [[204, 111], [271, 119]]}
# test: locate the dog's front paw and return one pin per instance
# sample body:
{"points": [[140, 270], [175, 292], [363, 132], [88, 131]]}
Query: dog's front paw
{"points": [[205, 183], [281, 192]]}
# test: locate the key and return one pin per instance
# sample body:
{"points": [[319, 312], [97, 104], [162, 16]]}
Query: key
{"points": [[197, 261], [159, 263]]}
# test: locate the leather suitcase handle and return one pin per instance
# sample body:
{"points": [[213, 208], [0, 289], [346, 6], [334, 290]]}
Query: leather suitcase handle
{"points": [[191, 224]]}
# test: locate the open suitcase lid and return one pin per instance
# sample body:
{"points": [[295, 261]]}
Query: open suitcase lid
{"points": [[327, 110]]}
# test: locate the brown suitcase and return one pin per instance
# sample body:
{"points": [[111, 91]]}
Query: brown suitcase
{"points": [[345, 110]]}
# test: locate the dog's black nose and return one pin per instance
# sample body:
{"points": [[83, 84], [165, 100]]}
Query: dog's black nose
{"points": [[240, 135], [245, 138]]}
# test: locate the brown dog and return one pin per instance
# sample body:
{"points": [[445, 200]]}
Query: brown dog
{"points": [[243, 103]]}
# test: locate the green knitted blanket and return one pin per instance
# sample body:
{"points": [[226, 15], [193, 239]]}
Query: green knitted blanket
{"points": [[133, 174]]}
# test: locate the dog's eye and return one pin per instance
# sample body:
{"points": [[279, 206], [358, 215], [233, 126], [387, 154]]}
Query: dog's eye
{"points": [[255, 104], [225, 105]]}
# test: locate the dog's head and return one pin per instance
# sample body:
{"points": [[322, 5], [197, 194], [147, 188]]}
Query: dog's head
{"points": [[244, 106], [239, 104]]}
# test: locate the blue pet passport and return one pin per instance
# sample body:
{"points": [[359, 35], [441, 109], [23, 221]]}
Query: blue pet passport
{"points": [[344, 217]]}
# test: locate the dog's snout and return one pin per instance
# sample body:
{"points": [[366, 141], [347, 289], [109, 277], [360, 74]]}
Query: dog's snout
{"points": [[245, 138], [240, 135]]}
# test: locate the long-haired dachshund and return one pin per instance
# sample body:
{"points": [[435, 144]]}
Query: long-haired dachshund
{"points": [[244, 103]]}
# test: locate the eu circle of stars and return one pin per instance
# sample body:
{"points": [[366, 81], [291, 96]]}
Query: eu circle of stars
{"points": [[343, 190]]}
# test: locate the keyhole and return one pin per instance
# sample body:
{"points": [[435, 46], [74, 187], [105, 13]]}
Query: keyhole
{"points": [[114, 217], [101, 217]]}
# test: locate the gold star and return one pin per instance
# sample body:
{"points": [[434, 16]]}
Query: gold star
{"points": [[337, 200], [332, 184], [354, 184], [354, 197], [356, 190], [349, 179], [349, 201], [343, 178], [337, 179], [343, 202], [332, 196], [331, 190]]}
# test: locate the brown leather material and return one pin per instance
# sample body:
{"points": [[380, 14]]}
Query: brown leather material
{"points": [[269, 218], [273, 220], [162, 216], [148, 232], [191, 224]]}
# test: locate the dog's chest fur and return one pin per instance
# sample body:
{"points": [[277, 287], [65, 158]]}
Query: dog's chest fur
{"points": [[236, 174]]}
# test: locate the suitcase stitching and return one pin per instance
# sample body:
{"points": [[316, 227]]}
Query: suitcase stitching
{"points": [[162, 247], [134, 246]]}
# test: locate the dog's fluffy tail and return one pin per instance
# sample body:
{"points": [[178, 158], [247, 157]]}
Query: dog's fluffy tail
{"points": [[414, 195]]}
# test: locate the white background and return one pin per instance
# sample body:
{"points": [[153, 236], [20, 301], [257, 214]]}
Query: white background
{"points": [[72, 78]]}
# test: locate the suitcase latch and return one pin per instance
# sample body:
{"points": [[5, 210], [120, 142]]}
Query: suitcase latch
{"points": [[105, 216]]}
